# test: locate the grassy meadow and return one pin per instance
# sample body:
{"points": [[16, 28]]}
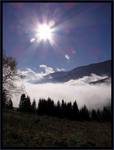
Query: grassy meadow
{"points": [[29, 130]]}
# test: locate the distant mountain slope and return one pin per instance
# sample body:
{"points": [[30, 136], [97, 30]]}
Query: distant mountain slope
{"points": [[102, 68], [106, 80]]}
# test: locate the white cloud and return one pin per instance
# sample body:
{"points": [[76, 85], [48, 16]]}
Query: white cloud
{"points": [[28, 75], [47, 69], [67, 56], [86, 79], [60, 69]]}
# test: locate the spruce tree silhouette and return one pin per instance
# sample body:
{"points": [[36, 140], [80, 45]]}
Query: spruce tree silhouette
{"points": [[33, 106], [22, 103], [68, 110], [41, 107], [84, 113], [58, 109], [25, 104], [50, 107], [94, 115], [64, 110], [75, 112], [106, 114]]}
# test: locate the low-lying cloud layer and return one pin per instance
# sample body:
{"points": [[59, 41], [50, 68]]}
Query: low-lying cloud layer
{"points": [[93, 95], [31, 76]]}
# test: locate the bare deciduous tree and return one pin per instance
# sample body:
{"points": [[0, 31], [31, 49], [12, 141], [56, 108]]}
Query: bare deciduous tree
{"points": [[9, 69], [9, 73]]}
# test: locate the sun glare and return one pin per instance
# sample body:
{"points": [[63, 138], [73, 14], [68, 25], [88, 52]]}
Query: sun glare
{"points": [[44, 32]]}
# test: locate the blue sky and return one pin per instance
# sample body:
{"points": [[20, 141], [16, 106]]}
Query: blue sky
{"points": [[82, 34]]}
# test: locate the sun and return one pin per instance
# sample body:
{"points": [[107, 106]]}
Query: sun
{"points": [[44, 32]]}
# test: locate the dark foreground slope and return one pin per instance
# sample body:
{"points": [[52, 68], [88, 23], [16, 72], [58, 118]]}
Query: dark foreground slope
{"points": [[27, 130]]}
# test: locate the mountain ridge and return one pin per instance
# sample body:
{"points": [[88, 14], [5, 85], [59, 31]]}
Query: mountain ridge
{"points": [[101, 68]]}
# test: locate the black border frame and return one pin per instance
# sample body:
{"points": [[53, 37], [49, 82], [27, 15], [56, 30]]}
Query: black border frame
{"points": [[1, 55]]}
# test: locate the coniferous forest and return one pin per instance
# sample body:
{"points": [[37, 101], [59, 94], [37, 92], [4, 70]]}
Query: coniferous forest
{"points": [[61, 109], [47, 124]]}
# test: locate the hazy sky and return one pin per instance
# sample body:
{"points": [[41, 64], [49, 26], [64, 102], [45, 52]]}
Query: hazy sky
{"points": [[81, 34]]}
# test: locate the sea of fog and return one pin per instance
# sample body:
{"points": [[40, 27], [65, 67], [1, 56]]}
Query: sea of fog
{"points": [[92, 95]]}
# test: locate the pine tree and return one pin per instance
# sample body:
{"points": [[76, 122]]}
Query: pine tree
{"points": [[27, 104], [75, 112], [22, 103], [68, 110], [84, 113], [40, 108], [58, 109], [33, 106], [94, 115], [63, 109], [106, 114]]}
